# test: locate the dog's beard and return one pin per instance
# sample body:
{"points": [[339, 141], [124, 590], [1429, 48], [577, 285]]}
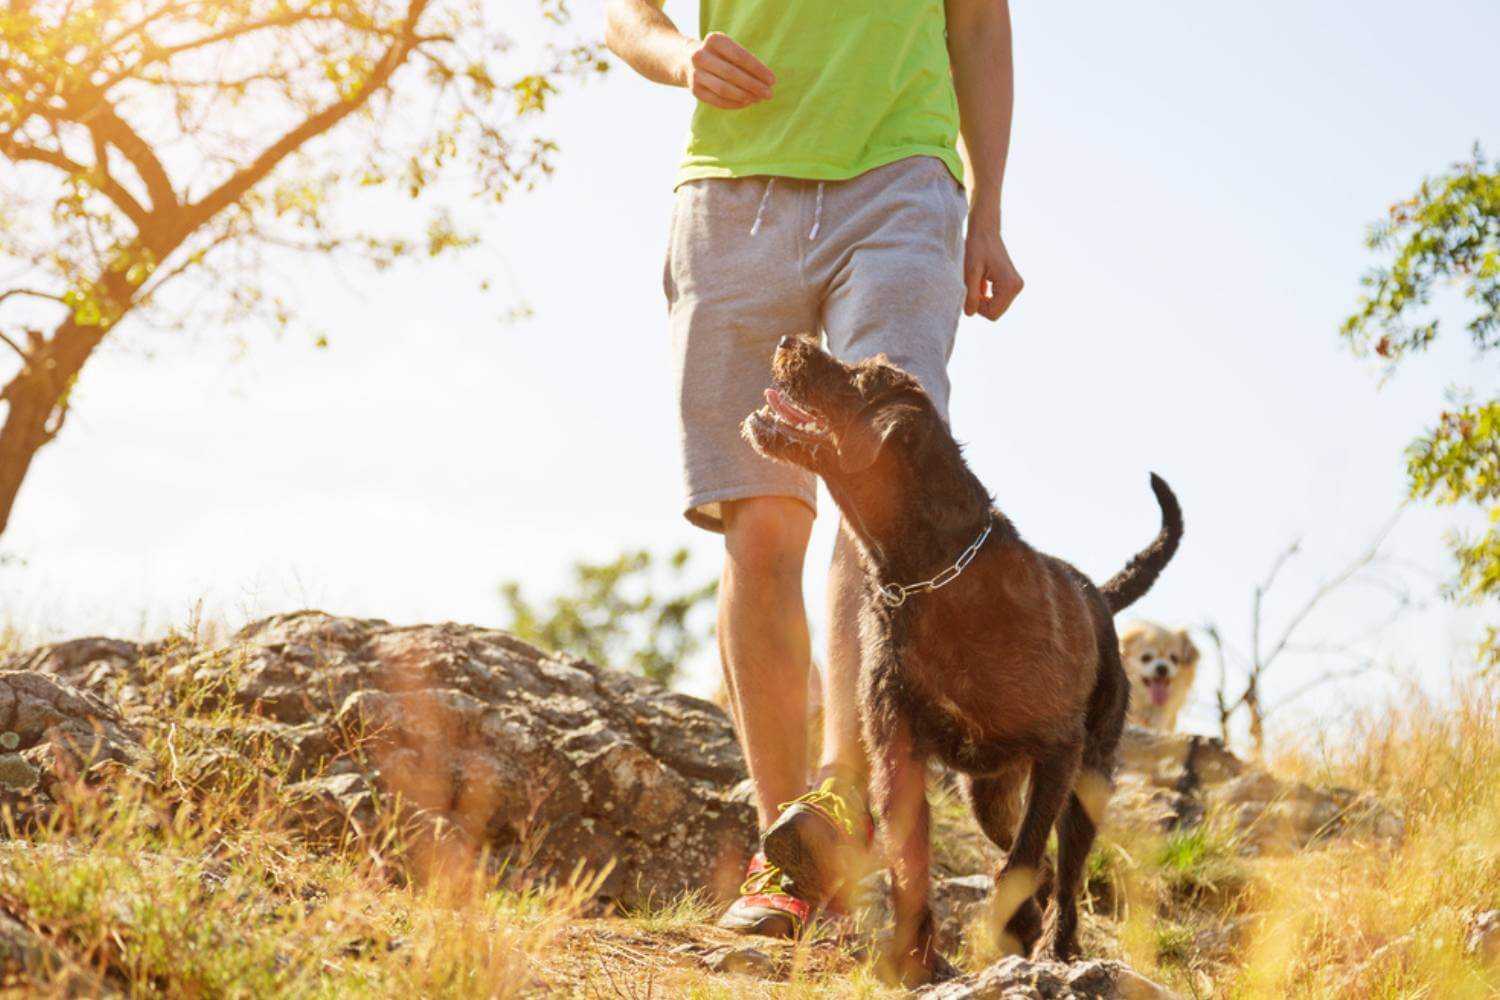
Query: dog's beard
{"points": [[784, 431], [772, 439]]}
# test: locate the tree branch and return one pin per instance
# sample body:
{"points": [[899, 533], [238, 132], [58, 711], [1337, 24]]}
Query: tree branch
{"points": [[102, 181], [242, 181], [105, 124], [168, 52]]}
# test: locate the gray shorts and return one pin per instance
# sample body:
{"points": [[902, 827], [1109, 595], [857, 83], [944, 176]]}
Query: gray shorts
{"points": [[875, 263]]}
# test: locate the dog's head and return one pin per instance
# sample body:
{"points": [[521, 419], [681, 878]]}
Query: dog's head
{"points": [[839, 420], [1161, 663]]}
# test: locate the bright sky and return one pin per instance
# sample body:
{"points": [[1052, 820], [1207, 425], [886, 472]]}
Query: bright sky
{"points": [[1188, 190]]}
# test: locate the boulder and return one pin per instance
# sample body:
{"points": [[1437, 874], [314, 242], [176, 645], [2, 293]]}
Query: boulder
{"points": [[543, 761]]}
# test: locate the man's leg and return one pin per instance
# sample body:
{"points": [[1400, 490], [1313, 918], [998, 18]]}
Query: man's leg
{"points": [[817, 841], [890, 255], [764, 644]]}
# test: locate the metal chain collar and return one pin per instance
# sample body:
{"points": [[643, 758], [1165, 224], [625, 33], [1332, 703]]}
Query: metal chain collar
{"points": [[895, 594]]}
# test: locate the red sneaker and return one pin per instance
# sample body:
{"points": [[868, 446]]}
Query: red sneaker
{"points": [[821, 841], [766, 906]]}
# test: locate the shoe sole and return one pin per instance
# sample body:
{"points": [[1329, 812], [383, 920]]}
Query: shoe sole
{"points": [[772, 925], [805, 846]]}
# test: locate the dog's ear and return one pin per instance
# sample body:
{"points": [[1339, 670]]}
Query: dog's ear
{"points": [[874, 427], [1189, 651]]}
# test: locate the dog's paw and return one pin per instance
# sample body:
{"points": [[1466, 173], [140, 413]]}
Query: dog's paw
{"points": [[1060, 947], [913, 968], [1025, 927]]}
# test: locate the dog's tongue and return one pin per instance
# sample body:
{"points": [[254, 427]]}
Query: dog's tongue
{"points": [[1158, 688], [788, 410]]}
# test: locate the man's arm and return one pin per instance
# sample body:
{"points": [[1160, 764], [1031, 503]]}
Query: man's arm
{"points": [[979, 49], [716, 69]]}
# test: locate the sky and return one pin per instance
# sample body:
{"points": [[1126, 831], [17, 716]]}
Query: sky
{"points": [[1188, 191]]}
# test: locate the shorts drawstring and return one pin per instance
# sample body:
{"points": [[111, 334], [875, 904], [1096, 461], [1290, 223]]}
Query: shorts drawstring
{"points": [[812, 233], [760, 212], [765, 202]]}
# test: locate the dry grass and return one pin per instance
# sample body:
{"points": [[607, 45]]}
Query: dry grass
{"points": [[1390, 922], [1351, 918], [193, 884]]}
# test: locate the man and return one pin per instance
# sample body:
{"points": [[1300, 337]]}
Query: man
{"points": [[821, 190]]}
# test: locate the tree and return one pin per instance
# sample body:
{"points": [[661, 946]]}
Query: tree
{"points": [[1445, 235], [616, 614], [150, 144], [1244, 669]]}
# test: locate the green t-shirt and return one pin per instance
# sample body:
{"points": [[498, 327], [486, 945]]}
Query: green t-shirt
{"points": [[859, 84]]}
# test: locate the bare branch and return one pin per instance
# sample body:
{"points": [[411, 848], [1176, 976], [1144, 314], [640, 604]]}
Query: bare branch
{"points": [[242, 181], [31, 293], [25, 358], [1334, 583], [1326, 677]]}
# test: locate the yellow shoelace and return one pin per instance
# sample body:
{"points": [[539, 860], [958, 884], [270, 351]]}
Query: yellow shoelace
{"points": [[768, 878], [830, 802]]}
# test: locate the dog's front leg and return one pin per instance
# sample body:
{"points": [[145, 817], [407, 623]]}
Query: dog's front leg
{"points": [[898, 782]]}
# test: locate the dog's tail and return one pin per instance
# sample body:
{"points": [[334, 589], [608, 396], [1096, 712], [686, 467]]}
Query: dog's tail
{"points": [[1131, 583]]}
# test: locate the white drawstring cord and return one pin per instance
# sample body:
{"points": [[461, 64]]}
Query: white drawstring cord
{"points": [[812, 234], [760, 212]]}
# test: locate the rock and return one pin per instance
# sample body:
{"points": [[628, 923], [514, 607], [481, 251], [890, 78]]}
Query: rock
{"points": [[23, 951], [1359, 978], [744, 961], [1170, 781], [108, 668], [1483, 936], [544, 761], [956, 903], [1014, 978], [52, 733]]}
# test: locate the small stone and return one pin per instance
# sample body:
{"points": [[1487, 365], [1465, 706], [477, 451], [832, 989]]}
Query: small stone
{"points": [[10, 740], [1484, 936], [744, 961]]}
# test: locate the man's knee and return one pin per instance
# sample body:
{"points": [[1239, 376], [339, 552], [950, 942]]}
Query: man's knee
{"points": [[766, 537]]}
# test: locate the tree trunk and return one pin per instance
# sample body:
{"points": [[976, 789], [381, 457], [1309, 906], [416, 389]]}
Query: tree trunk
{"points": [[37, 400]]}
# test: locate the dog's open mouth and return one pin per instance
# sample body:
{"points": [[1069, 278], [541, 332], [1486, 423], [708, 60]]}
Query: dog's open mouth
{"points": [[1158, 688], [784, 416]]}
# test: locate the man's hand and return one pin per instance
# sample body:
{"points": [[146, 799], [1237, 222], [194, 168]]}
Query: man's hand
{"points": [[720, 71], [991, 280]]}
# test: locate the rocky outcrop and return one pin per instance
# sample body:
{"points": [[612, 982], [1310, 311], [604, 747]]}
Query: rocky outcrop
{"points": [[1015, 978], [524, 756], [1169, 781]]}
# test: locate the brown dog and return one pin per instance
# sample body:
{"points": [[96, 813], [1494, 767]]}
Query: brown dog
{"points": [[1006, 667]]}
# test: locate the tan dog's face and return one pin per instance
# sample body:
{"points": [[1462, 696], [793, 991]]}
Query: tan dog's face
{"points": [[1161, 664]]}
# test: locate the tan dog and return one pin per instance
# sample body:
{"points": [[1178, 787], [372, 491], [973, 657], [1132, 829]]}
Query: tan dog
{"points": [[1161, 665]]}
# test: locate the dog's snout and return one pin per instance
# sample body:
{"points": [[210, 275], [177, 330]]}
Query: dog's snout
{"points": [[1161, 670]]}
